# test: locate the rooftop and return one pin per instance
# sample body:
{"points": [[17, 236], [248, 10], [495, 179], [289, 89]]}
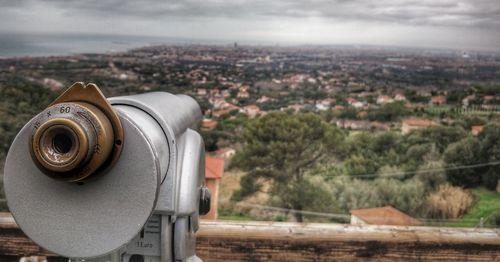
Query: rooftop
{"points": [[208, 124], [214, 167], [385, 216], [419, 122]]}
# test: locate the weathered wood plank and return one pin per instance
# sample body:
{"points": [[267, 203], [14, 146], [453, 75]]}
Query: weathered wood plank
{"points": [[259, 241], [13, 242], [324, 242]]}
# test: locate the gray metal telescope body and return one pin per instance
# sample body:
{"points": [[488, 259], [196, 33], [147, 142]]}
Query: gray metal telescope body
{"points": [[148, 204], [181, 154], [178, 116]]}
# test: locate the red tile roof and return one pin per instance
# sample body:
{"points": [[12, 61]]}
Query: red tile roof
{"points": [[208, 124], [214, 167], [385, 216], [477, 129], [419, 122], [438, 99]]}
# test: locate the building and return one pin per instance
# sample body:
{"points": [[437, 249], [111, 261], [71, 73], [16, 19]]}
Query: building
{"points": [[415, 123], [324, 104], [208, 124], [295, 107], [145, 88], [383, 99], [488, 99], [251, 110], [355, 103], [225, 93], [376, 125], [362, 125], [243, 92], [225, 109], [201, 92], [382, 216], [353, 124], [358, 104], [475, 130], [214, 169], [468, 100], [53, 84], [225, 153], [264, 99], [351, 100], [438, 100], [400, 97]]}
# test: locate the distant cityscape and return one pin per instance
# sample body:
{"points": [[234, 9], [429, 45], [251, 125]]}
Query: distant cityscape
{"points": [[396, 110], [255, 80]]}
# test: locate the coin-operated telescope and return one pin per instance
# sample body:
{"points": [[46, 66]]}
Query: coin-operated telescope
{"points": [[119, 179]]}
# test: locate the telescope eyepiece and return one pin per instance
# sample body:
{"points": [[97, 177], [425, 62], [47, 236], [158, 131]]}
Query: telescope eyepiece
{"points": [[78, 136], [63, 145], [71, 141]]}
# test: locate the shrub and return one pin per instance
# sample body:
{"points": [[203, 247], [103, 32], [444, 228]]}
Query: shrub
{"points": [[448, 202], [355, 193], [432, 174], [494, 220], [403, 195]]}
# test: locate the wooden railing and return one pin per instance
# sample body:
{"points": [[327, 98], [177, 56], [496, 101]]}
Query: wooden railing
{"points": [[268, 241]]}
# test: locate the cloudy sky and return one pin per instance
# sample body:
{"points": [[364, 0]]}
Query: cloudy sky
{"points": [[461, 24]]}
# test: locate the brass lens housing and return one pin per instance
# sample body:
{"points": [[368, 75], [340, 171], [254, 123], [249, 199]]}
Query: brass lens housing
{"points": [[72, 141], [63, 145], [78, 137]]}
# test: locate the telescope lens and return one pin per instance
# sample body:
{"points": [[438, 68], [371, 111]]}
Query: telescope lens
{"points": [[63, 146], [62, 143]]}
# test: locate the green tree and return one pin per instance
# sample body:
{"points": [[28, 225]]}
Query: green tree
{"points": [[386, 141], [283, 148], [210, 138], [389, 112], [420, 152], [356, 144], [474, 120], [359, 165], [349, 113], [490, 147], [441, 136], [413, 97], [432, 174], [464, 152], [204, 104], [455, 96]]}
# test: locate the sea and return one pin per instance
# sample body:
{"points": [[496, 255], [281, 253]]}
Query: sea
{"points": [[63, 44], [23, 45]]}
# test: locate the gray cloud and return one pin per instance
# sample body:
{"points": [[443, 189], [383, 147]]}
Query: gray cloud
{"points": [[268, 19], [425, 12]]}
